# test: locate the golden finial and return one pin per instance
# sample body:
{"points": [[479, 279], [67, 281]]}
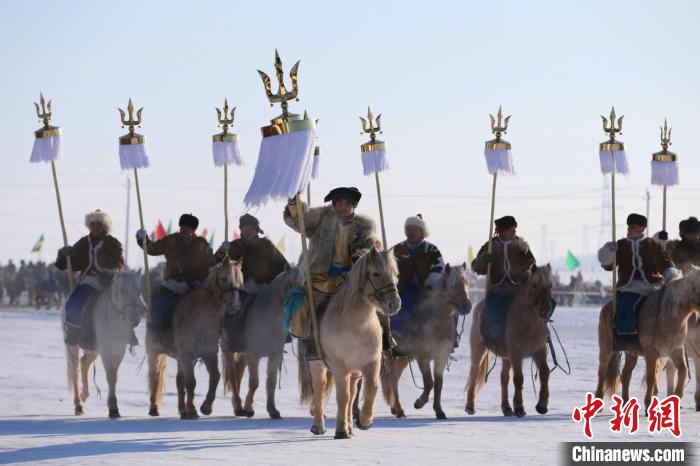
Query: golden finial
{"points": [[665, 136], [496, 128], [373, 127], [131, 122], [44, 113], [610, 128], [227, 120], [282, 95]]}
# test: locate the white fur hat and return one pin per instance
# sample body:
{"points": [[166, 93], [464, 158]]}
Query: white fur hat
{"points": [[99, 217], [417, 221]]}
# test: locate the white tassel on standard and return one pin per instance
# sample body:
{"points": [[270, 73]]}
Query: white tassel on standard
{"points": [[499, 161], [284, 166], [374, 158], [132, 155], [227, 152], [315, 169], [606, 160], [664, 164], [375, 161], [46, 148]]}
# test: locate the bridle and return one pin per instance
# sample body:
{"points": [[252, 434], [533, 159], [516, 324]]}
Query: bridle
{"points": [[378, 292]]}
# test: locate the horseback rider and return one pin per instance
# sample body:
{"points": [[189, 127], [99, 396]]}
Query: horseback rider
{"points": [[188, 258], [642, 267], [685, 252], [508, 268], [262, 262], [419, 261], [97, 257], [338, 237]]}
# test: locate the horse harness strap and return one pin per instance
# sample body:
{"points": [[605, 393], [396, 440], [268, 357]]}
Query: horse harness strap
{"points": [[378, 291]]}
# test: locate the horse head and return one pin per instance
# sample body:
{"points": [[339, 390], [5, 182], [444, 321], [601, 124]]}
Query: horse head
{"points": [[296, 276], [380, 280], [691, 289], [228, 280], [540, 290], [126, 293], [454, 286]]}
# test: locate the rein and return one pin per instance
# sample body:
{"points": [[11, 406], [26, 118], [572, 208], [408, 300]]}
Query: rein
{"points": [[377, 292]]}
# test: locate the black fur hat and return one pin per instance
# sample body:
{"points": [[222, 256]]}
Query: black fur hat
{"points": [[189, 220], [351, 193], [691, 225], [637, 219], [506, 222]]}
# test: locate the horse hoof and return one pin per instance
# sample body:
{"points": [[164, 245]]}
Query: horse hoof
{"points": [[470, 410], [274, 414], [341, 435], [239, 412], [189, 416], [79, 411], [114, 413], [508, 412], [541, 409], [697, 407], [248, 413], [153, 412], [359, 425], [440, 415], [318, 430], [400, 414], [206, 410], [520, 412], [419, 404]]}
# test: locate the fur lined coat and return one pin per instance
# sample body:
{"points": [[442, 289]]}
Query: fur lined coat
{"points": [[684, 254], [321, 224], [187, 261], [637, 258], [90, 253], [262, 261]]}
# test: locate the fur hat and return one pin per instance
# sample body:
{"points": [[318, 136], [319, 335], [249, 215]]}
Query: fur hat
{"points": [[637, 219], [417, 221], [249, 220], [504, 223], [351, 193], [188, 220], [99, 217], [691, 225]]}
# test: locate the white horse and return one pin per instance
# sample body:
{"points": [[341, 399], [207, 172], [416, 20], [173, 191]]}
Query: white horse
{"points": [[116, 309]]}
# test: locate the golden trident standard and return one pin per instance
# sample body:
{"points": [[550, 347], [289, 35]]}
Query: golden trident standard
{"points": [[285, 124], [129, 139], [613, 146], [224, 122], [498, 128], [664, 155], [44, 114], [372, 128]]}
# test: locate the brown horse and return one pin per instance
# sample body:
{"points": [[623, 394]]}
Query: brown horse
{"points": [[662, 326], [429, 335], [351, 338], [197, 321], [525, 336], [265, 338], [692, 350]]}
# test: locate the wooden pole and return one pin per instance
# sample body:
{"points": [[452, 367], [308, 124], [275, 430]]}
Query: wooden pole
{"points": [[664, 211], [493, 211], [144, 244], [308, 194], [63, 225], [307, 272], [225, 202], [381, 209]]}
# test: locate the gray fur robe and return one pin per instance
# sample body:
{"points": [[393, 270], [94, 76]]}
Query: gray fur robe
{"points": [[321, 224]]}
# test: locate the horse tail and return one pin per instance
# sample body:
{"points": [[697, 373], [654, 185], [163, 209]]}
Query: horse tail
{"points": [[612, 376], [228, 368], [483, 370], [306, 383], [660, 364]]}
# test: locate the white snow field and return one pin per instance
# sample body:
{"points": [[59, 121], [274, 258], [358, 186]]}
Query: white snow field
{"points": [[37, 425]]}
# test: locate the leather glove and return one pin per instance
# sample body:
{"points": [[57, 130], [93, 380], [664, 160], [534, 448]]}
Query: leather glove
{"points": [[225, 246], [611, 245], [141, 234], [663, 235], [65, 251]]}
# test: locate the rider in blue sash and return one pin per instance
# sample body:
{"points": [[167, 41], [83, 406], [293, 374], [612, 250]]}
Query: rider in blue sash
{"points": [[642, 268], [508, 267]]}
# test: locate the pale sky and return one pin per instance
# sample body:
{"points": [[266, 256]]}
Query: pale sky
{"points": [[434, 70]]}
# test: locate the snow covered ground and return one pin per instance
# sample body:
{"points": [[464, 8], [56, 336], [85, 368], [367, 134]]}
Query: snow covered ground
{"points": [[37, 425]]}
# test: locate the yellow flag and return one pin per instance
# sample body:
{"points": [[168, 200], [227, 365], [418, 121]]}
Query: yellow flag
{"points": [[281, 244], [470, 254]]}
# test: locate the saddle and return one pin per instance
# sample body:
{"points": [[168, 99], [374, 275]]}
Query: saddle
{"points": [[234, 323], [84, 336], [625, 336], [493, 319]]}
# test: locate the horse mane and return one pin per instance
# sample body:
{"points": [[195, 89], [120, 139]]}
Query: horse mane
{"points": [[352, 288], [675, 293]]}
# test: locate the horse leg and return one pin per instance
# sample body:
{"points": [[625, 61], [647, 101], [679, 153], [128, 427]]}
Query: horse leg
{"points": [[86, 361], [370, 375], [353, 396], [438, 374], [518, 379], [650, 378], [478, 369], [505, 382], [273, 365], [696, 365], [187, 361], [342, 393], [156, 377], [253, 383], [180, 384], [356, 401], [211, 361], [111, 364], [670, 370], [73, 368], [540, 358], [678, 358], [626, 377], [239, 365], [424, 366], [400, 364], [318, 375]]}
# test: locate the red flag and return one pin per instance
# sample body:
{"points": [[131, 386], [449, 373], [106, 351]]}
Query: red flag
{"points": [[160, 231], [204, 233], [236, 236]]}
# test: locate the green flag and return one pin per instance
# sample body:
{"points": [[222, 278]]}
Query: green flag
{"points": [[211, 240], [170, 227], [39, 243], [470, 254], [571, 262]]}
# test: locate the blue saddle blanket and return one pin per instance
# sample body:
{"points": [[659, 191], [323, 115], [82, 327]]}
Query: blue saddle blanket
{"points": [[626, 307]]}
